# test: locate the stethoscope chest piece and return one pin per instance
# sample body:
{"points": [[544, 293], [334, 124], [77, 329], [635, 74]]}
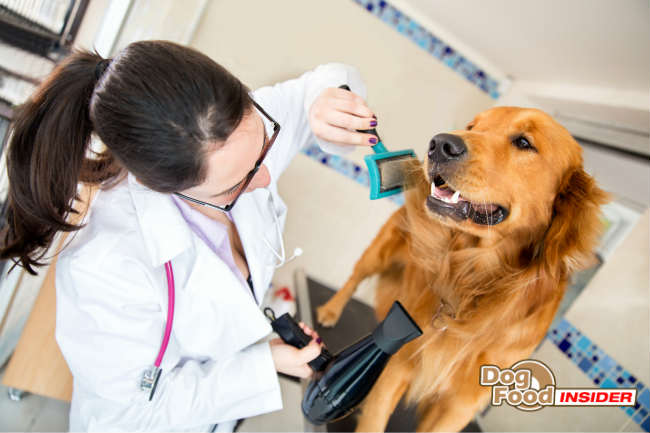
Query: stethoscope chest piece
{"points": [[150, 379]]}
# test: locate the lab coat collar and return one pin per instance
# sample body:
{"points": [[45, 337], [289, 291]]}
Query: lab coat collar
{"points": [[165, 232]]}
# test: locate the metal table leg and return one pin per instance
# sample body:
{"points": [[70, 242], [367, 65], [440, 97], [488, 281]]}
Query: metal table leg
{"points": [[304, 311]]}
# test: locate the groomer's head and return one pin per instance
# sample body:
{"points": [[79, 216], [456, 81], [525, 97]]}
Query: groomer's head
{"points": [[165, 112]]}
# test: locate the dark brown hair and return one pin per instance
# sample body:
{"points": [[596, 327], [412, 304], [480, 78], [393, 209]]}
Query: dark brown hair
{"points": [[158, 107]]}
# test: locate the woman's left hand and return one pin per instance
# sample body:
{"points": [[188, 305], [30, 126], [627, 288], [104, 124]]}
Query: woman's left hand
{"points": [[336, 114]]}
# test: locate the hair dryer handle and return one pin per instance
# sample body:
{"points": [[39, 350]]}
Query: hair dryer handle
{"points": [[291, 333]]}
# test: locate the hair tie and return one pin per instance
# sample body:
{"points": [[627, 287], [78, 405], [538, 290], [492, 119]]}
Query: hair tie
{"points": [[101, 68]]}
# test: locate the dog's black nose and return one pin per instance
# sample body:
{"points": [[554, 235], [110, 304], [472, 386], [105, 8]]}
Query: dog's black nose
{"points": [[446, 148]]}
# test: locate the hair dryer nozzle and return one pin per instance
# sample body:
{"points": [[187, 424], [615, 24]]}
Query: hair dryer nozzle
{"points": [[397, 329], [347, 379]]}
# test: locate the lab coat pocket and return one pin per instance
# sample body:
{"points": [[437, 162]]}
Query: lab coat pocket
{"points": [[216, 317]]}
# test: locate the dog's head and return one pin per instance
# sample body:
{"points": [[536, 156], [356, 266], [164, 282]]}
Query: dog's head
{"points": [[513, 170]]}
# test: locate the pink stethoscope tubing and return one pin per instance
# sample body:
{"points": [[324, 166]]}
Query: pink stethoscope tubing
{"points": [[170, 312]]}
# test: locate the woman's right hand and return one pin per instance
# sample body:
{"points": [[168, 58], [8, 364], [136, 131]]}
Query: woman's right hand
{"points": [[293, 361]]}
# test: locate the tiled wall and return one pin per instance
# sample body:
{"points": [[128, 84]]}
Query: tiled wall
{"points": [[440, 50], [601, 368]]}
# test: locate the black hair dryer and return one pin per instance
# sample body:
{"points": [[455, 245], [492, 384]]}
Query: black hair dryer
{"points": [[342, 381]]}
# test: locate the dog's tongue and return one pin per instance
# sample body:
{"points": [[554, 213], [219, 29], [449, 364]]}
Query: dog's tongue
{"points": [[452, 197], [446, 194]]}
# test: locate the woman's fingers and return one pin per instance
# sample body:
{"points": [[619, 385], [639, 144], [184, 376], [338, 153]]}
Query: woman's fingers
{"points": [[349, 121], [309, 352], [338, 135], [313, 334], [337, 114], [307, 330], [351, 103]]}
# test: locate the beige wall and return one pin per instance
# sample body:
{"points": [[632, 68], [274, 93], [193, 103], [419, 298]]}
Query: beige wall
{"points": [[91, 24], [171, 20], [413, 94]]}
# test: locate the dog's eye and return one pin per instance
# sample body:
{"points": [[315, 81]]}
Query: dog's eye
{"points": [[469, 127], [522, 143]]}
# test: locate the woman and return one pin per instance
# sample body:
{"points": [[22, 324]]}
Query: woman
{"points": [[188, 185]]}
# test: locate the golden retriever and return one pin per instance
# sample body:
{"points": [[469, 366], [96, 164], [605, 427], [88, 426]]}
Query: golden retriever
{"points": [[494, 223]]}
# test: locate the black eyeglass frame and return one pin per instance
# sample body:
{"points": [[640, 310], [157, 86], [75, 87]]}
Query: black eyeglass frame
{"points": [[251, 174]]}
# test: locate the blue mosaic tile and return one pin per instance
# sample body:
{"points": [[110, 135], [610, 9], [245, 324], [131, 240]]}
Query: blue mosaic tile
{"points": [[645, 425], [608, 383], [564, 345], [642, 413], [583, 343], [442, 51], [604, 371], [606, 363], [584, 365], [644, 398]]}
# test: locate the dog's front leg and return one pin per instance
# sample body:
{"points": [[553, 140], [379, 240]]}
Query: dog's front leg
{"points": [[384, 397], [381, 253]]}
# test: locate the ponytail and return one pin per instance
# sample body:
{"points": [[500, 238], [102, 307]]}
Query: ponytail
{"points": [[158, 106], [47, 157]]}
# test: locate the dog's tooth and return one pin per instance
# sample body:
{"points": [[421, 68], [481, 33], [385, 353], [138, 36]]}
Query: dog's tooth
{"points": [[433, 188], [454, 198]]}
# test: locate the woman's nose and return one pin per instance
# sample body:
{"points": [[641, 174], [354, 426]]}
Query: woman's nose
{"points": [[261, 179]]}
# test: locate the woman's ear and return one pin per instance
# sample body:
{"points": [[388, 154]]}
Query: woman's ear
{"points": [[570, 240]]}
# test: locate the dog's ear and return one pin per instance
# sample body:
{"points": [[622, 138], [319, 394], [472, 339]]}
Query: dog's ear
{"points": [[570, 240]]}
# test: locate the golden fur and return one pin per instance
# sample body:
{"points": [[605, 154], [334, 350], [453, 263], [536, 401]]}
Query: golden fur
{"points": [[481, 294]]}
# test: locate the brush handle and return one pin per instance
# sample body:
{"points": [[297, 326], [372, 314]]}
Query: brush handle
{"points": [[379, 147]]}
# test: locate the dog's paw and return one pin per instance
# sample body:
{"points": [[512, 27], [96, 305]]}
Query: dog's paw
{"points": [[327, 316]]}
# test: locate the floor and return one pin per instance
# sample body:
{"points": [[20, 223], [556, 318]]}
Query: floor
{"points": [[32, 413]]}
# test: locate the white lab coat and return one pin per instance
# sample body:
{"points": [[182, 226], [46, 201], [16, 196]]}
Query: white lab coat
{"points": [[112, 295]]}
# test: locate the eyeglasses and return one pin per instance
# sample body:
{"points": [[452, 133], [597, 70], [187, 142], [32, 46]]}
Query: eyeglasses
{"points": [[241, 187]]}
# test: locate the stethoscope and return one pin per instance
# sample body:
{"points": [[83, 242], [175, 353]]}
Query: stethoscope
{"points": [[282, 260], [151, 375]]}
